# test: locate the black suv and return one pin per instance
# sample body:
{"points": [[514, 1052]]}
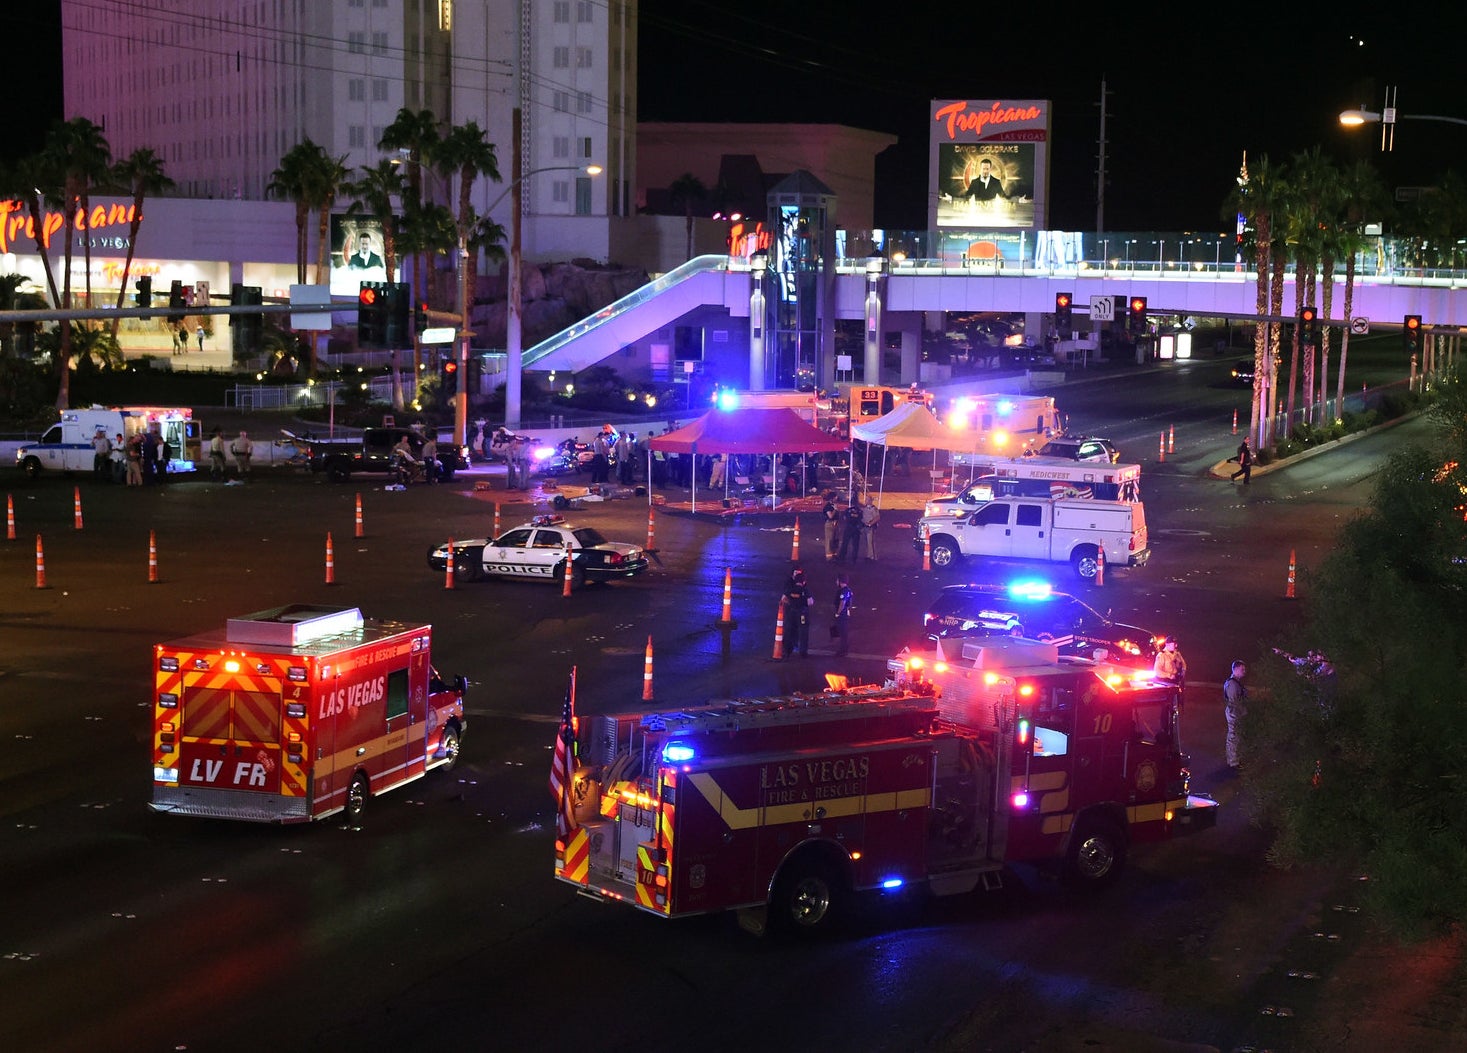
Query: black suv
{"points": [[1033, 610]]}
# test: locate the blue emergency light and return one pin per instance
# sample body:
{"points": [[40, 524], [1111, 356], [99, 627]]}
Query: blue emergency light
{"points": [[1030, 590], [728, 400], [678, 753]]}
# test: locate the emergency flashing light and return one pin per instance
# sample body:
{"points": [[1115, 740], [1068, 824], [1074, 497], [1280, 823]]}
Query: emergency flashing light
{"points": [[1023, 732], [1030, 590], [1020, 800], [678, 753], [1004, 407], [231, 666], [727, 400], [894, 882]]}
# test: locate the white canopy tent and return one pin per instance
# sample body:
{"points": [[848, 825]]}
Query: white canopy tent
{"points": [[915, 427]]}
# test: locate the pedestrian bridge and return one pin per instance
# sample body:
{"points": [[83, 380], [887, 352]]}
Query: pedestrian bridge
{"points": [[1383, 293]]}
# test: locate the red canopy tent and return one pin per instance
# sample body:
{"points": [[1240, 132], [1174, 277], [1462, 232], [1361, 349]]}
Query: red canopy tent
{"points": [[749, 431]]}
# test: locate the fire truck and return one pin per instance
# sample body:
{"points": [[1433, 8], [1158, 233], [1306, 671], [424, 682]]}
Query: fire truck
{"points": [[298, 713], [784, 808]]}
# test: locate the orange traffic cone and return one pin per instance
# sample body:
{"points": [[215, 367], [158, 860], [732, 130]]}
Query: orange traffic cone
{"points": [[496, 519], [1235, 422], [651, 530], [795, 548], [330, 562], [359, 516], [727, 621], [569, 558], [76, 491], [1100, 565], [40, 564], [1289, 591], [647, 673], [778, 629], [926, 550], [1161, 453], [152, 556], [448, 567], [1171, 438]]}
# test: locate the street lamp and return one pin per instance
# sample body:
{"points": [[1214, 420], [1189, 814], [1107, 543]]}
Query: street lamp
{"points": [[1387, 118], [512, 339]]}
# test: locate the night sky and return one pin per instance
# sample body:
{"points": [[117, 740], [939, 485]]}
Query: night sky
{"points": [[1188, 89]]}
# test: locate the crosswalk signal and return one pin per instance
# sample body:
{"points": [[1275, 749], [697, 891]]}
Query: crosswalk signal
{"points": [[448, 378], [399, 314], [1136, 316], [372, 316], [1064, 322], [1411, 334], [1308, 327]]}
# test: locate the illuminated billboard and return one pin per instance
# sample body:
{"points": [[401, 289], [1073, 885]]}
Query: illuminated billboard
{"points": [[988, 164], [358, 252]]}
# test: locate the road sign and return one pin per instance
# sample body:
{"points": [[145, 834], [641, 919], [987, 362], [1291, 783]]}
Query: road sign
{"points": [[311, 296], [1102, 308], [1359, 325]]}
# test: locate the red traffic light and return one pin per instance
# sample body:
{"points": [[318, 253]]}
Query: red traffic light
{"points": [[1062, 300], [1413, 321], [1138, 305], [367, 297], [450, 366], [1307, 314]]}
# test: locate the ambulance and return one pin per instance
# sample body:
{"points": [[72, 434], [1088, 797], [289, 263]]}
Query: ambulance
{"points": [[788, 809], [298, 713], [67, 445]]}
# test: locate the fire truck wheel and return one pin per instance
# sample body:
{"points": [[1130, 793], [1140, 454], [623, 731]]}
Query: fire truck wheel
{"points": [[356, 798], [944, 553], [450, 749], [1097, 854], [807, 898], [1085, 562]]}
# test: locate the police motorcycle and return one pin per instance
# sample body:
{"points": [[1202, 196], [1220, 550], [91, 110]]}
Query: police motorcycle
{"points": [[554, 460], [576, 452]]}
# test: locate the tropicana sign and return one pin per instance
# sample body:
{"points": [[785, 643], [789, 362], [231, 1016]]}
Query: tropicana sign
{"points": [[15, 222]]}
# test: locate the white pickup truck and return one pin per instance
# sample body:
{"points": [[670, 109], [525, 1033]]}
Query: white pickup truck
{"points": [[1063, 530]]}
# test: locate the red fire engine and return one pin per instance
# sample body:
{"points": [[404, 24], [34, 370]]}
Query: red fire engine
{"points": [[298, 713], [940, 778]]}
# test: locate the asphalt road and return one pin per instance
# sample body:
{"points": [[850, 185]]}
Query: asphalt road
{"points": [[437, 922]]}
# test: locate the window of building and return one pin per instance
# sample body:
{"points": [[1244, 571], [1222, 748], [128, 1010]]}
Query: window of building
{"points": [[379, 43], [583, 102], [560, 147], [356, 91], [584, 12], [561, 101], [560, 57], [586, 147], [356, 43], [379, 89], [356, 136], [583, 196], [562, 10], [353, 3], [560, 192], [584, 58]]}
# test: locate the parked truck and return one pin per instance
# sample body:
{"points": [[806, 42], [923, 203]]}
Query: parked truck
{"points": [[372, 451], [784, 808], [1056, 530]]}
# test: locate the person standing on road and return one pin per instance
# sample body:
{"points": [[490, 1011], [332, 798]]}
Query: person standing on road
{"points": [[134, 454], [832, 525], [626, 454], [797, 600], [217, 470], [1235, 708], [870, 516], [1244, 459], [842, 627], [101, 457], [850, 536], [243, 449], [430, 460]]}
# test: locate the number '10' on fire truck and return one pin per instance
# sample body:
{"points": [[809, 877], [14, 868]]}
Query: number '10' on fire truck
{"points": [[783, 808], [297, 713]]}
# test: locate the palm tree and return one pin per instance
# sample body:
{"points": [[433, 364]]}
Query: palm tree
{"points": [[329, 179], [688, 190], [292, 182], [141, 172], [1364, 197], [464, 152], [1257, 198], [414, 133]]}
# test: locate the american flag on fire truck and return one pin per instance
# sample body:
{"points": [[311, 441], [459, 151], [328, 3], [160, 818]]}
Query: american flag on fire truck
{"points": [[563, 766]]}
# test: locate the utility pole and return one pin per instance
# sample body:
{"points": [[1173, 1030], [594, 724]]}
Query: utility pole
{"points": [[1100, 170]]}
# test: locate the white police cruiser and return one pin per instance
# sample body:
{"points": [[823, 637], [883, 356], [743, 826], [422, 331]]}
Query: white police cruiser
{"points": [[537, 551]]}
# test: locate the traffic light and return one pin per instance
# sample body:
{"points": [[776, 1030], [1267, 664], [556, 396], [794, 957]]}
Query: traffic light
{"points": [[420, 319], [448, 378], [176, 302], [1308, 327], [1136, 316], [145, 291], [1411, 334], [1064, 323], [399, 314], [249, 329], [372, 316]]}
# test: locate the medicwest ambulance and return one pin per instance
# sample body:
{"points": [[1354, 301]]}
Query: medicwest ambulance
{"points": [[298, 713]]}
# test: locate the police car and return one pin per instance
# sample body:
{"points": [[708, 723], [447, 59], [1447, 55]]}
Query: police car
{"points": [[1033, 610], [536, 551]]}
